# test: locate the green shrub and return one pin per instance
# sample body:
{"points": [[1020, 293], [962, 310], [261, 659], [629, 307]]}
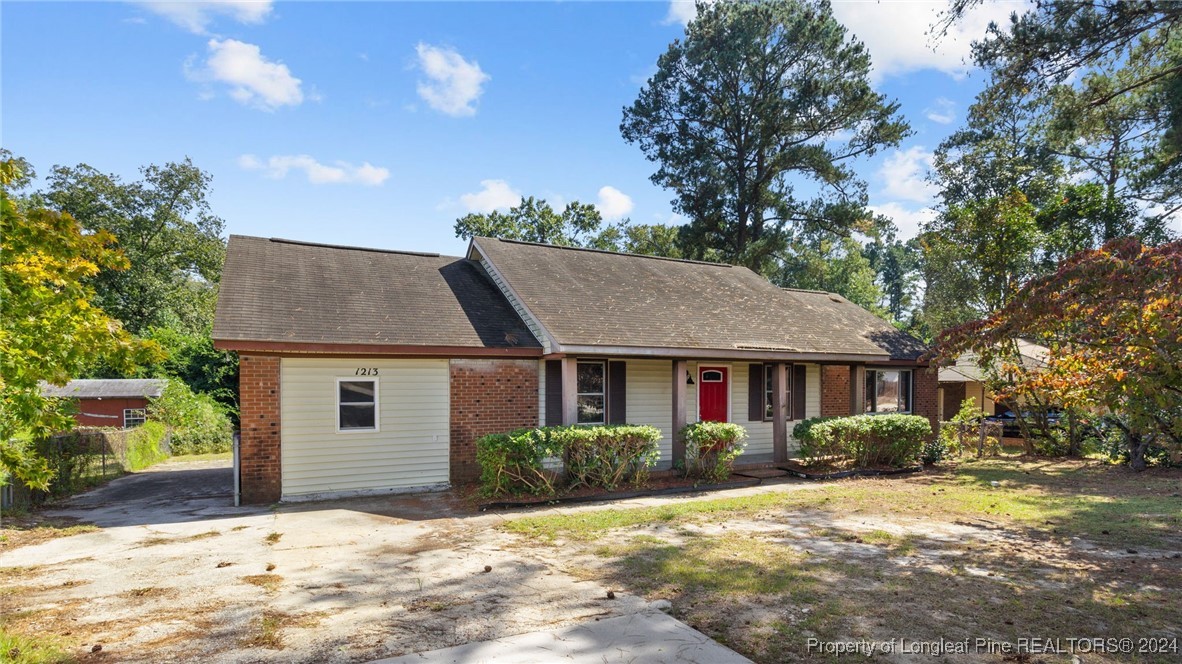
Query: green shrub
{"points": [[602, 457], [868, 440], [146, 446], [200, 425], [802, 428], [962, 433], [935, 450], [817, 449], [711, 448], [513, 462], [607, 456]]}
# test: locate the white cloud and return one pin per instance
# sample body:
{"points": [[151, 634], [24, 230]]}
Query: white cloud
{"points": [[681, 11], [197, 16], [897, 33], [908, 220], [613, 203], [904, 175], [340, 172], [493, 195], [453, 84], [942, 110], [253, 79]]}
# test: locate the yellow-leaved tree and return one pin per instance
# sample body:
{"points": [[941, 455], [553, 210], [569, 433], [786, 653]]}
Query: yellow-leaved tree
{"points": [[49, 328]]}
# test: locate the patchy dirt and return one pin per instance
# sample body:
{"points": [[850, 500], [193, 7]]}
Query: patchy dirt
{"points": [[29, 529], [765, 581], [330, 582]]}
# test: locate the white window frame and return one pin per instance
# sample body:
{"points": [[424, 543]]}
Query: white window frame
{"points": [[603, 365], [377, 414], [140, 420], [910, 390], [768, 393]]}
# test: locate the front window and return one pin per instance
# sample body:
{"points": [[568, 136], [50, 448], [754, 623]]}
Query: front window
{"points": [[590, 392], [357, 405], [888, 391], [767, 390], [133, 417]]}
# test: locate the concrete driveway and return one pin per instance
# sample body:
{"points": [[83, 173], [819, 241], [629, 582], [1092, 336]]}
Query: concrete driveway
{"points": [[177, 573]]}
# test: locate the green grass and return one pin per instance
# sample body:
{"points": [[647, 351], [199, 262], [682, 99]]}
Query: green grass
{"points": [[214, 456], [765, 591], [25, 649], [1098, 502]]}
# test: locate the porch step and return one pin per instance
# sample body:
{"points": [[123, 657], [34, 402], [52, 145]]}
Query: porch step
{"points": [[761, 473]]}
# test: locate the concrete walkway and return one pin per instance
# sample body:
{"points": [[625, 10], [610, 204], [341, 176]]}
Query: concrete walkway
{"points": [[648, 637]]}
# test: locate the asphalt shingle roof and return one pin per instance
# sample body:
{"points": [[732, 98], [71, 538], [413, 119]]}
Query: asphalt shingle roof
{"points": [[106, 388], [286, 291], [595, 298]]}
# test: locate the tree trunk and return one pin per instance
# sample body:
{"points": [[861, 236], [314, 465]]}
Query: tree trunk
{"points": [[1138, 444]]}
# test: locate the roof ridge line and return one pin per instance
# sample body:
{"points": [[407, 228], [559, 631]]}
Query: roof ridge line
{"points": [[605, 251], [808, 290], [345, 247]]}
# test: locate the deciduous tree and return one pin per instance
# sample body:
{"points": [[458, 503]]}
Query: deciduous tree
{"points": [[1112, 321], [165, 228], [50, 328]]}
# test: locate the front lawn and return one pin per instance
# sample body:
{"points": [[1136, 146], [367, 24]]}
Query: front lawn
{"points": [[995, 549]]}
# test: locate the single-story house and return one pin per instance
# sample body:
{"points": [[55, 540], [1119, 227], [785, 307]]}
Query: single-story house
{"points": [[366, 371], [109, 402], [966, 380]]}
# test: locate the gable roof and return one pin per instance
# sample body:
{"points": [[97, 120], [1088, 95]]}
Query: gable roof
{"points": [[106, 388], [584, 299], [282, 294], [967, 370]]}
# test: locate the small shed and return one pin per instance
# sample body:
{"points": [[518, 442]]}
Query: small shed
{"points": [[109, 402]]}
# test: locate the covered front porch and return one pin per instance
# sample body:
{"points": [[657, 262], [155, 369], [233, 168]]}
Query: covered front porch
{"points": [[767, 396]]}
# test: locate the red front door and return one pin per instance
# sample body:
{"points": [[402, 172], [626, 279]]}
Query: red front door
{"points": [[712, 394]]}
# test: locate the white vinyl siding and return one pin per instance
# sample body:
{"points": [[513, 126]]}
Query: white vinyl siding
{"points": [[759, 434], [409, 451], [649, 400]]}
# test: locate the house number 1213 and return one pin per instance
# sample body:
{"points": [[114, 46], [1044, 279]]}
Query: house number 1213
{"points": [[372, 371]]}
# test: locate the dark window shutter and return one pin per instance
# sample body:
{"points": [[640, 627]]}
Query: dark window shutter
{"points": [[553, 392], [798, 379], [755, 393], [617, 412]]}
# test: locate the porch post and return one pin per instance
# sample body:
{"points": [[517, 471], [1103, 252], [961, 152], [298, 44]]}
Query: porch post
{"points": [[680, 371], [857, 389], [570, 388], [779, 413]]}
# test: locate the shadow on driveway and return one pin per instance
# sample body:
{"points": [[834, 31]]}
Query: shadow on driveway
{"points": [[166, 493]]}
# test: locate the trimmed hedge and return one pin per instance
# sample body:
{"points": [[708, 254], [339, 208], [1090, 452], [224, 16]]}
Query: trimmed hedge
{"points": [[867, 440], [602, 456], [607, 456], [711, 448]]}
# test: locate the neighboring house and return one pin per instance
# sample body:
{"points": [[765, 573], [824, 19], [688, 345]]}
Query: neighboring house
{"points": [[108, 402], [367, 371], [966, 380]]}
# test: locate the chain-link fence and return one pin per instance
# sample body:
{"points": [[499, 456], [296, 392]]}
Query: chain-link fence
{"points": [[85, 457], [979, 438]]}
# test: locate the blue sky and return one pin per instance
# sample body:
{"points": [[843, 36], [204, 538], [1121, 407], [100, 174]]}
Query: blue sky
{"points": [[379, 123]]}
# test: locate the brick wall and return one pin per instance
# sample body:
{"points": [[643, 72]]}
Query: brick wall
{"points": [[927, 383], [488, 396], [954, 394], [258, 401], [835, 390]]}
